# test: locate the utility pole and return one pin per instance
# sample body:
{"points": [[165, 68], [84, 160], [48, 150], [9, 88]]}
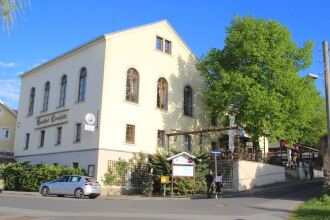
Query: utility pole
{"points": [[326, 158], [326, 85]]}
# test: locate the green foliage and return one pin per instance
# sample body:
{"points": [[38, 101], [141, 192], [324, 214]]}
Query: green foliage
{"points": [[8, 9], [25, 177], [109, 178], [318, 208], [255, 78]]}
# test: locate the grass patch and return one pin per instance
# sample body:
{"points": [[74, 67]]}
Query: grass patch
{"points": [[314, 209]]}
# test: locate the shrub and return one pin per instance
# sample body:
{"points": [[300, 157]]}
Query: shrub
{"points": [[25, 177]]}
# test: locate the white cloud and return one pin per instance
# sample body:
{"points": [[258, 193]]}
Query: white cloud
{"points": [[7, 65], [9, 90]]}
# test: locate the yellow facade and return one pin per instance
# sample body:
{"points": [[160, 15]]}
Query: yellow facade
{"points": [[7, 128]]}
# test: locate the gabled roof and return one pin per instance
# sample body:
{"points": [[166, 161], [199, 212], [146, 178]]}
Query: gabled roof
{"points": [[6, 107], [181, 154], [109, 35]]}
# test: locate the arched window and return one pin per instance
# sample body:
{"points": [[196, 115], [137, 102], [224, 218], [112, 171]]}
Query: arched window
{"points": [[162, 94], [187, 101], [132, 85], [82, 85], [31, 104], [63, 91], [46, 97]]}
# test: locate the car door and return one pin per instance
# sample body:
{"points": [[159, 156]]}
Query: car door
{"points": [[64, 185], [72, 185], [55, 187]]}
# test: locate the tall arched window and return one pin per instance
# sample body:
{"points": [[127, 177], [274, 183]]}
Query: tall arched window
{"points": [[46, 97], [132, 85], [187, 101], [162, 94], [63, 91], [31, 104], [82, 85]]}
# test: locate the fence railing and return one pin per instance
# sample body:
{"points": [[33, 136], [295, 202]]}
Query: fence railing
{"points": [[128, 174]]}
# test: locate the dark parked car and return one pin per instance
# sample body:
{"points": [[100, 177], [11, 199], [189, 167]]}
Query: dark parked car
{"points": [[78, 186]]}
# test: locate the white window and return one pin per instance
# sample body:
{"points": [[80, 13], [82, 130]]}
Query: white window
{"points": [[4, 133], [1, 112]]}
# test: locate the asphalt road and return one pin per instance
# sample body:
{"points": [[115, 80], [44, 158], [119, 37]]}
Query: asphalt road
{"points": [[270, 202]]}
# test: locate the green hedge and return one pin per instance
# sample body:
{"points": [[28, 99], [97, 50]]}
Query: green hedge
{"points": [[26, 177]]}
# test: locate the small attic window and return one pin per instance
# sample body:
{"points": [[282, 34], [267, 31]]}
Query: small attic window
{"points": [[159, 43], [168, 47]]}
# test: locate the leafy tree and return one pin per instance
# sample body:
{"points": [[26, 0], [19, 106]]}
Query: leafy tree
{"points": [[8, 10], [255, 78]]}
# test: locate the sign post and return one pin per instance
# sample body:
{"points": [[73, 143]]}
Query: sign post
{"points": [[164, 180], [216, 152]]}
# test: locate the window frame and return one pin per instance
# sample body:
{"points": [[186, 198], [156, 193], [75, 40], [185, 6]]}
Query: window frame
{"points": [[161, 134], [42, 138], [161, 39], [162, 94], [187, 142], [130, 135], [78, 132], [27, 140], [169, 44], [3, 138], [31, 101], [63, 88], [132, 94], [82, 85], [46, 97], [188, 102], [59, 135]]}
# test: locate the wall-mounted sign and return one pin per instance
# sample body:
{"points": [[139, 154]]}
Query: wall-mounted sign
{"points": [[89, 127], [52, 119], [90, 118]]}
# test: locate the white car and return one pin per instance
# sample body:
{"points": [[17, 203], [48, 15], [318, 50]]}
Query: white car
{"points": [[78, 186]]}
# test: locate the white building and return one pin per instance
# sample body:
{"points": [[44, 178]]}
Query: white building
{"points": [[138, 84]]}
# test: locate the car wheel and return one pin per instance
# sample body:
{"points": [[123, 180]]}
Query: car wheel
{"points": [[79, 193], [45, 191], [92, 197]]}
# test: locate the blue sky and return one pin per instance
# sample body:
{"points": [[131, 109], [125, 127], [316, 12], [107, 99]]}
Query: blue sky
{"points": [[50, 28]]}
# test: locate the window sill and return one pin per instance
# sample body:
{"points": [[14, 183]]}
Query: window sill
{"points": [[57, 144], [40, 146], [130, 144], [80, 102], [43, 112], [164, 53], [131, 102], [189, 116], [25, 148], [29, 115], [60, 107], [77, 142]]}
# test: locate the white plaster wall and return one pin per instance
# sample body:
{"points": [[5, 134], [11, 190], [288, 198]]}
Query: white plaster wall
{"points": [[84, 158], [91, 57], [248, 174], [137, 49]]}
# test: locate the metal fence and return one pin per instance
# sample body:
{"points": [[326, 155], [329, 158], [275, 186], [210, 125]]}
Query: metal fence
{"points": [[128, 174], [226, 169]]}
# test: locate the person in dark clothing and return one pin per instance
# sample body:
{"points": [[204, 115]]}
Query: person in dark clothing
{"points": [[311, 171], [209, 179], [218, 184]]}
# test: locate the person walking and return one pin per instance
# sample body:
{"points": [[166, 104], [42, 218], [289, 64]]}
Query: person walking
{"points": [[218, 184], [209, 179], [306, 169]]}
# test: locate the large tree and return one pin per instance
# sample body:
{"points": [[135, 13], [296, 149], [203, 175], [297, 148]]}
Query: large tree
{"points": [[255, 78], [8, 9]]}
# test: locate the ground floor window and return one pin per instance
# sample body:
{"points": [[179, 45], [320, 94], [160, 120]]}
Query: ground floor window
{"points": [[187, 145], [4, 134], [59, 136], [27, 140], [75, 165], [91, 170]]}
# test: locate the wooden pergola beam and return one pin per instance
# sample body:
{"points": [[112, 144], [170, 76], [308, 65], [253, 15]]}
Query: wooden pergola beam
{"points": [[201, 131]]}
